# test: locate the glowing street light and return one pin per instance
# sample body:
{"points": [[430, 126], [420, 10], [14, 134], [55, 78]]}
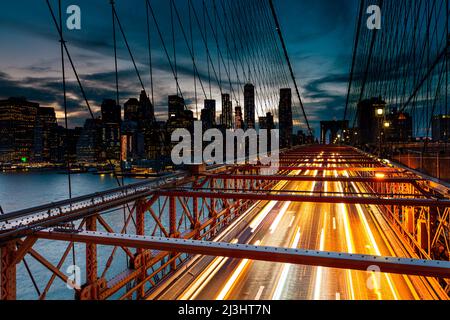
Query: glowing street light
{"points": [[380, 175], [380, 112]]}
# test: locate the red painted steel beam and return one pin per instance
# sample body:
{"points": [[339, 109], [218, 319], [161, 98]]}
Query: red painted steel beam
{"points": [[317, 179], [304, 156], [295, 161], [405, 266], [280, 196], [312, 168]]}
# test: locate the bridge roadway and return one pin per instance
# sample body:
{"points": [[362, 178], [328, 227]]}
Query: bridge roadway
{"points": [[314, 226]]}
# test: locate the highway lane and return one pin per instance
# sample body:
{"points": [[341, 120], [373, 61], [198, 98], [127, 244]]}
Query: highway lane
{"points": [[255, 220], [329, 227], [272, 217]]}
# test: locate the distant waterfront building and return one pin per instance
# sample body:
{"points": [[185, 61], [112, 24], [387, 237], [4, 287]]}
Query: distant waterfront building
{"points": [[45, 134], [132, 110], [111, 112], [131, 148], [208, 114], [134, 141], [238, 118], [440, 128], [227, 111], [66, 145], [176, 106], [179, 118], [369, 123], [156, 142], [249, 106], [267, 122], [111, 122], [18, 119], [148, 109], [285, 118], [400, 127], [89, 146]]}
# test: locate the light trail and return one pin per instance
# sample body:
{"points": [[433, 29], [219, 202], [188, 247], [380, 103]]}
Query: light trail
{"points": [[262, 215], [279, 217], [286, 268], [348, 236], [318, 281], [199, 284], [375, 247], [234, 277]]}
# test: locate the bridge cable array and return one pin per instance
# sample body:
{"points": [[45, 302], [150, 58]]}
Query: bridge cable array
{"points": [[405, 63]]}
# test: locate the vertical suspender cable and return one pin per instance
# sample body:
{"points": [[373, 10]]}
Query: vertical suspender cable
{"points": [[150, 58], [280, 34], [63, 68], [193, 61], [355, 51], [174, 43]]}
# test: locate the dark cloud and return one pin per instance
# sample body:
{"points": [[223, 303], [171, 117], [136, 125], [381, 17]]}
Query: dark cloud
{"points": [[316, 31]]}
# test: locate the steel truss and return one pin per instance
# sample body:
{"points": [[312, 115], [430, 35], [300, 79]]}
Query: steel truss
{"points": [[198, 207]]}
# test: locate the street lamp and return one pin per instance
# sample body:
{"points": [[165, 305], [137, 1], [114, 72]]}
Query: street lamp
{"points": [[380, 112]]}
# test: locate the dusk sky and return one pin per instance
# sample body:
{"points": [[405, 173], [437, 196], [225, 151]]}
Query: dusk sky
{"points": [[319, 35]]}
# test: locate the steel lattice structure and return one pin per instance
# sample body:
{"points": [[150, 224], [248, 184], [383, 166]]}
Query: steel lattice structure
{"points": [[199, 207]]}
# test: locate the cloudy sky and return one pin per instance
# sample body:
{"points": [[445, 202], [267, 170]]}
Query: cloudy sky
{"points": [[319, 36]]}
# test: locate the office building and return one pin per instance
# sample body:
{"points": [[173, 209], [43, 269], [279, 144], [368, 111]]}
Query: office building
{"points": [[238, 118], [208, 114], [370, 120], [227, 111], [148, 109], [132, 110], [440, 128], [89, 146], [285, 118], [249, 106], [111, 122], [399, 127], [176, 106], [45, 134], [267, 122], [17, 129]]}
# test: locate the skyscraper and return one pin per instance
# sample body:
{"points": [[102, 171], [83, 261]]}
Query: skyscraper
{"points": [[249, 106], [111, 112], [45, 134], [369, 123], [267, 122], [132, 110], [239, 121], [111, 121], [17, 129], [285, 117], [178, 117], [176, 106], [89, 146], [147, 108], [440, 128], [208, 116], [227, 111]]}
